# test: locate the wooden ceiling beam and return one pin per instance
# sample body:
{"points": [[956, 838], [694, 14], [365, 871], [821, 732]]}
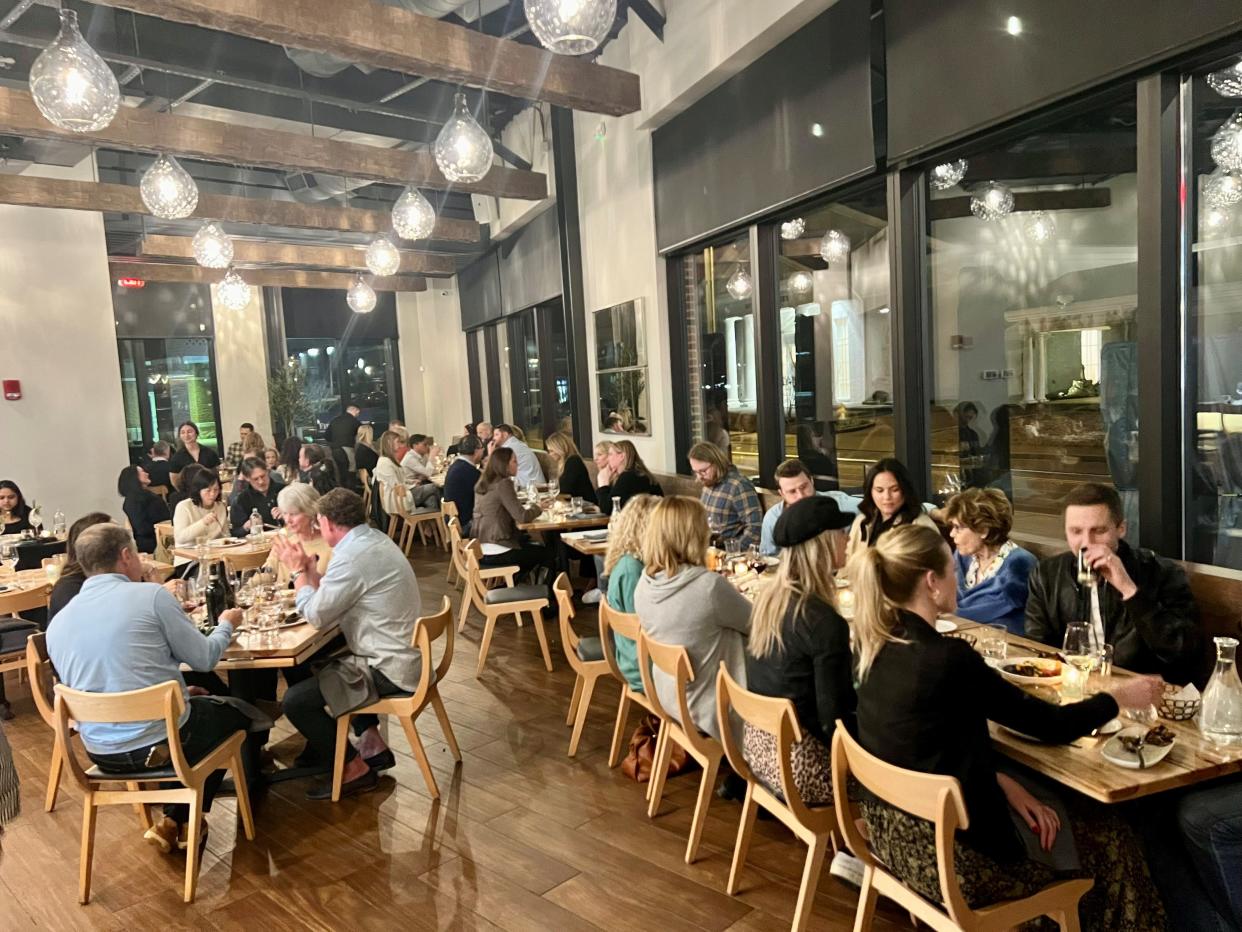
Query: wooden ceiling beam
{"points": [[31, 191], [383, 36], [275, 278], [235, 144], [247, 252]]}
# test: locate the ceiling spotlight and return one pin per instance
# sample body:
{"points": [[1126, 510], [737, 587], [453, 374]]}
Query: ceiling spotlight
{"points": [[1013, 26], [413, 217], [792, 229], [739, 284], [383, 257], [834, 247], [945, 176], [1041, 227], [463, 149], [992, 201], [361, 296]]}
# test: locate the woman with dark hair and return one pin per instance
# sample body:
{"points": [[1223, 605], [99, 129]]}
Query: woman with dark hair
{"points": [[191, 452], [889, 499], [14, 512], [316, 466], [144, 508], [72, 575], [288, 469], [201, 513], [623, 477], [497, 514]]}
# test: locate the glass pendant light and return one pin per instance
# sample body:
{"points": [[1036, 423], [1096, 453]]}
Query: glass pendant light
{"points": [[945, 176], [413, 217], [571, 27], [1227, 143], [992, 201], [463, 149], [792, 229], [739, 284], [168, 190], [800, 283], [1222, 189], [835, 246], [1215, 219], [71, 85], [232, 292], [1041, 227], [1228, 81], [361, 296], [383, 258], [213, 248]]}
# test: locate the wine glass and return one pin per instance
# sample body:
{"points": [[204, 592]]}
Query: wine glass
{"points": [[8, 556], [36, 520], [1077, 648]]}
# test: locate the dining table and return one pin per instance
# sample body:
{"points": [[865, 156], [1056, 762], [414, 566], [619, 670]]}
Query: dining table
{"points": [[589, 543], [552, 522], [286, 647], [222, 547]]}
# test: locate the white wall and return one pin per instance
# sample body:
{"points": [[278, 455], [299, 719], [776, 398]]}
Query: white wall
{"points": [[64, 442], [434, 378], [241, 368]]}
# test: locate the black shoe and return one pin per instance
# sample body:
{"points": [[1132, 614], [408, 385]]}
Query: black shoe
{"points": [[309, 760], [384, 760], [6, 712], [322, 789], [733, 787]]}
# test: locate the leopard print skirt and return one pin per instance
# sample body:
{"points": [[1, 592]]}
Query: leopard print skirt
{"points": [[811, 763]]}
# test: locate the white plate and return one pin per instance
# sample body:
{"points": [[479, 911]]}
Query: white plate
{"points": [[1111, 727], [1026, 680], [944, 626], [1114, 753]]}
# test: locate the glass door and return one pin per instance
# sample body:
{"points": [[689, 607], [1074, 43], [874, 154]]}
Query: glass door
{"points": [[164, 383]]}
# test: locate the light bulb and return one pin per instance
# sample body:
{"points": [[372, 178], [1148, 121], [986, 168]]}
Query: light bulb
{"points": [[800, 282], [383, 257], [571, 27], [1215, 219], [834, 247], [232, 292], [1227, 143], [792, 229], [360, 297], [213, 248], [168, 190], [992, 201], [463, 149], [1041, 227], [1228, 81], [413, 217], [1222, 189], [71, 85], [739, 284], [945, 176]]}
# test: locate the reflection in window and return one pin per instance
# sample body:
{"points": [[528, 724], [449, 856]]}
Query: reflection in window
{"points": [[164, 383], [1033, 277]]}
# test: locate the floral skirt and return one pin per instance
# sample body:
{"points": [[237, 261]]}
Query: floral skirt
{"points": [[811, 764]]}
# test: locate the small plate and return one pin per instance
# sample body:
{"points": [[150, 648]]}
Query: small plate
{"points": [[1006, 671], [1114, 753], [944, 625], [1111, 727], [227, 542]]}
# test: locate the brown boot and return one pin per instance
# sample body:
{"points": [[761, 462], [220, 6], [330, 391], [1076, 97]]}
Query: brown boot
{"points": [[162, 835]]}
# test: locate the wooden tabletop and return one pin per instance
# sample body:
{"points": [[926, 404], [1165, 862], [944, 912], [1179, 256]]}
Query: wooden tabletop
{"points": [[548, 522], [591, 548], [293, 645], [1080, 766], [216, 552]]}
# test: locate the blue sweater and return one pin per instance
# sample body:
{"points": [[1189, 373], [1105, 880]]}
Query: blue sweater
{"points": [[1000, 599]]}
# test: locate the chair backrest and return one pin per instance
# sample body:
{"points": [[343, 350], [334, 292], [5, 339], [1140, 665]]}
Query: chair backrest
{"points": [[674, 661], [565, 601], [245, 559], [608, 619], [546, 464], [778, 718], [455, 545], [472, 550], [160, 490], [427, 630], [42, 677], [24, 600], [935, 798], [449, 509], [152, 703]]}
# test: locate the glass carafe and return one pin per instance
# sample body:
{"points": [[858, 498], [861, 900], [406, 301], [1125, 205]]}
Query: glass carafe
{"points": [[1221, 717]]}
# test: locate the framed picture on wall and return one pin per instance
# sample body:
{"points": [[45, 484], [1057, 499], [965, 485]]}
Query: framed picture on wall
{"points": [[621, 369]]}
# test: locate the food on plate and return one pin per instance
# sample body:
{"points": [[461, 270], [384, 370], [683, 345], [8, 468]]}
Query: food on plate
{"points": [[1034, 668]]}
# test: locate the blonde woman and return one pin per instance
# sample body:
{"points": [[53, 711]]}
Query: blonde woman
{"points": [[623, 567], [681, 602], [624, 476], [365, 455], [571, 473], [389, 474], [924, 703], [298, 503], [799, 647]]}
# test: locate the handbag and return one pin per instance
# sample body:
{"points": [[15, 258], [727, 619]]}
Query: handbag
{"points": [[638, 762]]}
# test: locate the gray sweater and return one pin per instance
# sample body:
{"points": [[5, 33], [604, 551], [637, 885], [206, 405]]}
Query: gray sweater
{"points": [[699, 610]]}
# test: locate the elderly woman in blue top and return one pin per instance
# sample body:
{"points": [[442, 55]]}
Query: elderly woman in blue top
{"points": [[120, 633], [992, 570]]}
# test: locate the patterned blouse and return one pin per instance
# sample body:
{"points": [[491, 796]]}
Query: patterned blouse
{"points": [[974, 577]]}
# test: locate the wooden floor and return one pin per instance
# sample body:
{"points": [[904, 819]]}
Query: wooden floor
{"points": [[523, 838]]}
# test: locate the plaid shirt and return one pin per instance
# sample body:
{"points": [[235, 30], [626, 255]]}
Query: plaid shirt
{"points": [[733, 509], [234, 455]]}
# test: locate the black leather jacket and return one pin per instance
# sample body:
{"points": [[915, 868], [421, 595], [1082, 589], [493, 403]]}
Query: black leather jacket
{"points": [[1156, 631]]}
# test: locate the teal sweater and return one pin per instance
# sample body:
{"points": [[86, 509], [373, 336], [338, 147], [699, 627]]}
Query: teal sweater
{"points": [[621, 584]]}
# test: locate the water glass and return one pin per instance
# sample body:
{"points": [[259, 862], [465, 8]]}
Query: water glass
{"points": [[1073, 683], [1101, 674], [8, 556], [576, 505], [993, 642]]}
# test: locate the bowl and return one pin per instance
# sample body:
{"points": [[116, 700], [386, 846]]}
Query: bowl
{"points": [[1178, 710]]}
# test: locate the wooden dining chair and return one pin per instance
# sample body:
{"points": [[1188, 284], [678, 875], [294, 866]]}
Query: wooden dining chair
{"points": [[586, 658], [936, 799], [613, 622], [814, 825], [42, 685], [365, 478], [424, 521], [239, 560], [488, 574], [165, 702], [161, 490], [674, 662], [407, 708], [448, 510], [504, 600]]}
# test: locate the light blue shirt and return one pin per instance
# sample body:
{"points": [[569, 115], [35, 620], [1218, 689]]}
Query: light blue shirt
{"points": [[371, 592], [529, 470], [847, 503], [116, 635]]}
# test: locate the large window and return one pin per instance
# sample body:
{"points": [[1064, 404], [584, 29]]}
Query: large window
{"points": [[836, 338], [1032, 262]]}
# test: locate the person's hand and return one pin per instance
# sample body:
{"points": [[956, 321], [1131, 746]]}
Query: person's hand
{"points": [[277, 514], [1040, 819], [1137, 692], [197, 691], [173, 587], [1108, 565], [232, 615], [291, 554], [604, 476]]}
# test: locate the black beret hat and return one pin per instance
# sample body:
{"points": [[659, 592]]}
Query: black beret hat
{"points": [[809, 518]]}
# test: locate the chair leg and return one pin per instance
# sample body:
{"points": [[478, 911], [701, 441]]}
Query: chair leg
{"points": [[445, 725], [573, 701], [537, 618], [194, 831], [584, 707], [88, 848], [448, 577], [420, 755], [867, 896], [144, 815], [465, 607], [659, 770], [810, 882], [707, 789], [53, 779], [243, 795], [745, 829], [618, 730], [1067, 919], [338, 759], [661, 737], [488, 630]]}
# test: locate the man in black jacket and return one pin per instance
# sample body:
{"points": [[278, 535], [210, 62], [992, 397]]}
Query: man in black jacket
{"points": [[1140, 602], [259, 493], [343, 429], [460, 480]]}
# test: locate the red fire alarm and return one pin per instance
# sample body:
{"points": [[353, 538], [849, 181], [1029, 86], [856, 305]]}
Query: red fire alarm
{"points": [[12, 390]]}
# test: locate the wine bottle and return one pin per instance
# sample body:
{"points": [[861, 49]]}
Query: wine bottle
{"points": [[217, 596]]}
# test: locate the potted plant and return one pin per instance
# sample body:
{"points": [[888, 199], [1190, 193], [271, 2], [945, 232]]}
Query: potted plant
{"points": [[286, 392]]}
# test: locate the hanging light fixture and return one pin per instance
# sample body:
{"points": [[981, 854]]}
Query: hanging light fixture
{"points": [[168, 190], [945, 176], [571, 27], [383, 258], [232, 292], [463, 148], [800, 283], [739, 284], [834, 247], [71, 85], [792, 229], [1227, 143], [1228, 81], [1215, 219], [361, 296], [213, 248], [1222, 189], [991, 201], [1041, 227], [413, 217]]}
